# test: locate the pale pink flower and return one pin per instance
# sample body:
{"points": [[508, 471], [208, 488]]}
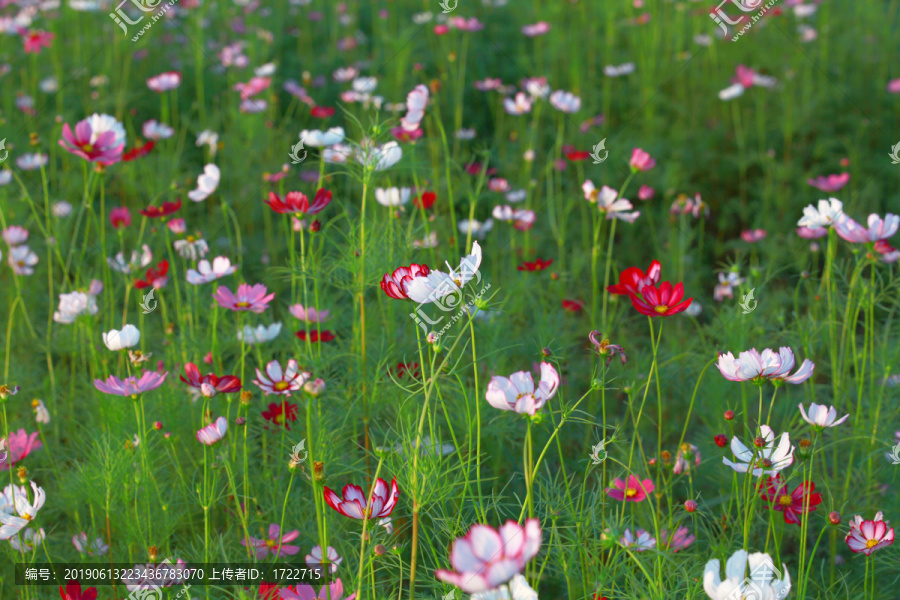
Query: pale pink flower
{"points": [[517, 393], [641, 161], [752, 365], [830, 183], [164, 81], [274, 543], [879, 229], [214, 432], [637, 543], [130, 386], [19, 445], [309, 315], [281, 381], [539, 28]]}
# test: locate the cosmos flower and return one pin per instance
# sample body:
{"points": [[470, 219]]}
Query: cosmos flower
{"points": [[35, 39], [164, 81], [99, 138], [820, 416], [812, 234], [156, 278], [830, 183], [334, 591], [380, 158], [153, 130], [274, 543], [879, 229], [519, 105], [259, 334], [315, 336], [681, 539], [353, 504], [633, 491], [33, 160], [434, 285], [309, 315], [664, 301], [281, 413], [566, 102], [22, 260], [638, 543], [16, 510], [73, 305], [19, 445], [868, 536], [632, 279], [207, 183], [759, 582], [252, 87], [395, 284], [392, 196], [315, 559], [213, 432], [120, 217], [210, 384], [191, 248], [604, 348], [158, 212], [486, 558], [758, 367], [478, 229], [205, 273], [823, 215], [95, 548], [766, 458], [537, 265], [316, 138], [793, 504], [73, 588], [517, 392], [248, 298], [281, 381], [683, 458], [416, 101], [608, 201], [641, 161], [130, 386], [16, 235], [298, 204], [127, 337], [753, 235]]}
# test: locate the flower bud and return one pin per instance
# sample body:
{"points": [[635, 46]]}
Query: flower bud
{"points": [[380, 550], [153, 551], [246, 396], [729, 415], [834, 517], [240, 421], [690, 506], [759, 442], [22, 474], [319, 471], [157, 425], [721, 440]]}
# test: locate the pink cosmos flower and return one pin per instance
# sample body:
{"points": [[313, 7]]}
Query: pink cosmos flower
{"points": [[15, 235], [463, 24], [416, 101], [808, 233], [334, 591], [879, 229], [754, 366], [210, 384], [315, 559], [213, 432], [641, 161], [298, 203], [539, 28], [683, 458], [869, 536], [384, 499], [888, 253], [646, 192], [830, 183], [164, 81], [252, 87], [99, 138], [281, 381], [681, 539], [517, 392], [19, 445], [634, 491], [638, 543], [130, 386], [36, 39], [309, 315], [753, 235], [248, 298], [395, 284], [893, 86], [274, 543], [486, 558], [120, 217]]}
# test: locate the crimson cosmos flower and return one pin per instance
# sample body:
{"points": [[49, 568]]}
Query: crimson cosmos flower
{"points": [[663, 301], [537, 265], [395, 284], [210, 384], [573, 305], [142, 149], [321, 112], [73, 592], [793, 504], [354, 499], [156, 278], [298, 203], [577, 155], [167, 208], [281, 415], [632, 279], [426, 201], [315, 336]]}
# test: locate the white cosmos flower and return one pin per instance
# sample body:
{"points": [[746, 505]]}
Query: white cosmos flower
{"points": [[392, 196], [380, 158], [6, 178], [210, 139], [260, 334], [416, 101], [127, 337], [266, 70], [566, 102], [823, 215], [316, 138], [16, 512], [31, 539], [60, 209], [153, 130], [205, 272], [32, 161], [742, 580], [138, 260], [437, 284], [516, 588], [608, 201], [821, 416], [618, 71], [338, 154], [768, 459], [22, 259], [365, 85], [73, 305], [206, 183], [519, 105], [344, 74], [477, 228], [213, 432], [731, 92], [429, 241], [191, 248]]}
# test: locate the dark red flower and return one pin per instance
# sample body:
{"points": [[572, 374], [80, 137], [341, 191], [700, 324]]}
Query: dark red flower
{"points": [[577, 155], [167, 208], [322, 112], [793, 504], [573, 305], [315, 336], [721, 440], [281, 415], [142, 149], [402, 135], [632, 278], [403, 369], [298, 203], [226, 384], [475, 169], [394, 284], [269, 591], [426, 201], [664, 301], [156, 278], [537, 265], [73, 592]]}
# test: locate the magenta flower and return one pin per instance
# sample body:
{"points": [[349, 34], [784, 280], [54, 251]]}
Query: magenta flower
{"points": [[641, 161], [99, 138], [130, 386], [274, 543], [384, 499], [830, 183], [19, 445], [753, 235], [309, 315], [681, 539], [869, 536], [251, 298], [879, 229], [752, 365], [634, 491], [486, 558], [335, 591]]}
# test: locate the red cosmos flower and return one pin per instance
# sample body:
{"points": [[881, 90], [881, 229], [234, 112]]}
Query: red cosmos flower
{"points": [[315, 336], [427, 200], [210, 384], [394, 284], [281, 415], [573, 305], [537, 265], [298, 203], [354, 499], [167, 208], [156, 278], [269, 591], [664, 301], [577, 155], [721, 440], [322, 112], [632, 278], [402, 369], [73, 592], [475, 169], [139, 151], [792, 504]]}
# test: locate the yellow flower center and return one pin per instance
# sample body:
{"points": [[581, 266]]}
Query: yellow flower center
{"points": [[661, 308], [281, 386], [270, 543], [21, 263], [630, 492], [242, 304], [785, 500], [871, 543], [190, 239], [88, 147]]}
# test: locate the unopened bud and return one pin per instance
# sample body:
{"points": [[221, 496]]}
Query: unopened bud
{"points": [[240, 421], [153, 551], [315, 226], [246, 396], [690, 506], [380, 550], [729, 415], [22, 474], [834, 518]]}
